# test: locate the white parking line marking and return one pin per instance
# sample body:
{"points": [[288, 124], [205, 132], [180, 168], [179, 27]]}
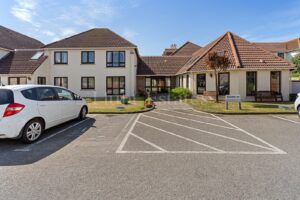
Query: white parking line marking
{"points": [[182, 137], [127, 124], [150, 143], [292, 121], [194, 120], [191, 114], [257, 138], [206, 152], [211, 133], [51, 136], [127, 134]]}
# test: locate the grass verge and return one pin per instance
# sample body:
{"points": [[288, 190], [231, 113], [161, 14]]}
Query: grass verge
{"points": [[247, 107], [114, 105]]}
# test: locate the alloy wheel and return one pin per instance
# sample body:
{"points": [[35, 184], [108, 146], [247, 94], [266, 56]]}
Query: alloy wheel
{"points": [[34, 131]]}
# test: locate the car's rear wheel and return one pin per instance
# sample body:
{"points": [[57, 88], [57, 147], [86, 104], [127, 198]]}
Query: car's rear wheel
{"points": [[299, 111], [32, 131], [83, 113]]}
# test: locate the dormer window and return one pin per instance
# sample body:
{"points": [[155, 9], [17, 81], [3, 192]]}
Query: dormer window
{"points": [[87, 57], [61, 57], [37, 55], [280, 54], [115, 59]]}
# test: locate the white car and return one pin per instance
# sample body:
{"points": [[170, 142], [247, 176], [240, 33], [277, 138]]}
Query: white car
{"points": [[27, 110], [297, 104]]}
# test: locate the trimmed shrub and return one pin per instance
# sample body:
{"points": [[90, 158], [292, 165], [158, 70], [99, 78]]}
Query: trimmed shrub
{"points": [[181, 93]]}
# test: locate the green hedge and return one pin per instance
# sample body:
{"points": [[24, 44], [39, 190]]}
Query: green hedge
{"points": [[181, 93]]}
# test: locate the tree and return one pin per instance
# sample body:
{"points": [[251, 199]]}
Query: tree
{"points": [[218, 63], [296, 61]]}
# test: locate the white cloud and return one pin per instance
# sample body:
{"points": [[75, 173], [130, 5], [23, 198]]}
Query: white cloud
{"points": [[48, 33], [67, 32], [129, 34], [24, 10]]}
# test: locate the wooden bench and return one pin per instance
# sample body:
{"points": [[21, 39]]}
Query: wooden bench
{"points": [[260, 95]]}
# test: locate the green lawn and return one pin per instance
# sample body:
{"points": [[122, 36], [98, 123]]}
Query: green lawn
{"points": [[247, 107], [114, 105]]}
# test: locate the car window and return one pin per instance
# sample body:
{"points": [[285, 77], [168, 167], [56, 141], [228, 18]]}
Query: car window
{"points": [[64, 95], [46, 94], [77, 97], [30, 94], [6, 96]]}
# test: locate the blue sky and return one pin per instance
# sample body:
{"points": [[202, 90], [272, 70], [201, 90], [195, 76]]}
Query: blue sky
{"points": [[155, 24]]}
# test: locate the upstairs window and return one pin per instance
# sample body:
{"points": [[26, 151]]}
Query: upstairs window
{"points": [[115, 59], [87, 57], [60, 57]]}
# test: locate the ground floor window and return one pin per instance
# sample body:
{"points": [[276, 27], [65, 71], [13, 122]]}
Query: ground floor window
{"points": [[17, 80], [275, 81], [41, 80], [251, 83], [201, 83], [224, 83], [158, 84], [87, 83], [115, 85], [61, 81]]}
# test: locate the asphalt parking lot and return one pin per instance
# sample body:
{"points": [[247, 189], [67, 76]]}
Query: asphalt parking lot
{"points": [[163, 154]]}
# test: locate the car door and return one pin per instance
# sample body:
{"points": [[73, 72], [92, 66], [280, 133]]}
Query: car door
{"points": [[49, 106], [67, 102]]}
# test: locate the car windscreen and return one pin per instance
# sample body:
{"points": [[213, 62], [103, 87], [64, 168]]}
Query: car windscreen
{"points": [[6, 96]]}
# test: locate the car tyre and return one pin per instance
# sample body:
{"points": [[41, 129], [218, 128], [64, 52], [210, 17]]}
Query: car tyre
{"points": [[83, 113], [32, 131], [299, 111]]}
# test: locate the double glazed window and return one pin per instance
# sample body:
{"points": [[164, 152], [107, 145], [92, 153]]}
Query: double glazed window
{"points": [[87, 57], [280, 54], [17, 80], [115, 85], [251, 82], [158, 84], [61, 81], [41, 80], [61, 57], [115, 59], [224, 83], [276, 81], [87, 83]]}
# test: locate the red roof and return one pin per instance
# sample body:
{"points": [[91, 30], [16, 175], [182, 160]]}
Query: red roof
{"points": [[187, 49], [10, 39], [160, 65], [97, 37], [20, 62], [241, 53], [280, 46]]}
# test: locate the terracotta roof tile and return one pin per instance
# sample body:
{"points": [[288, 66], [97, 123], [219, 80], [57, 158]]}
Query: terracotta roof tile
{"points": [[10, 39], [19, 62], [160, 65], [98, 37], [280, 46], [187, 49], [241, 53]]}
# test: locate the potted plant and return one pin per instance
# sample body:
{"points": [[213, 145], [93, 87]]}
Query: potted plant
{"points": [[124, 99], [149, 103]]}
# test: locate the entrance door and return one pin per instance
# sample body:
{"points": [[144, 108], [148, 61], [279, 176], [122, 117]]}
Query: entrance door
{"points": [[201, 83]]}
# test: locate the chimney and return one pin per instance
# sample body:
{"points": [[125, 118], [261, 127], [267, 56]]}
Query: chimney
{"points": [[169, 51]]}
